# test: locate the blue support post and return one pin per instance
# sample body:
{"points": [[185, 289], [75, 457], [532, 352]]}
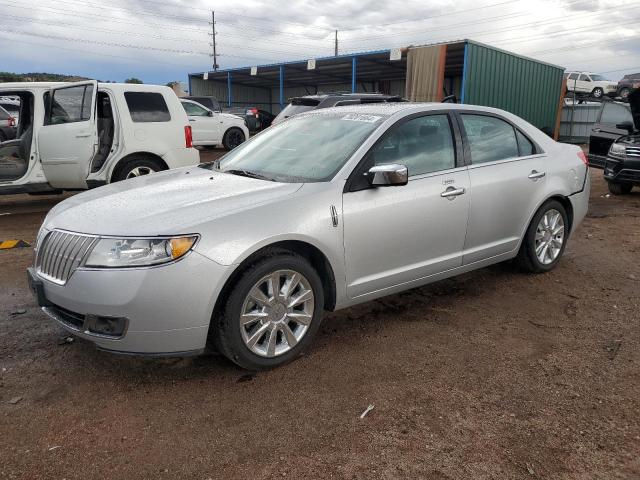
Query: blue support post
{"points": [[464, 74], [229, 90], [354, 68], [281, 86]]}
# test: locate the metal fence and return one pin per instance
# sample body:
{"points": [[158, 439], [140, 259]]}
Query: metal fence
{"points": [[577, 120]]}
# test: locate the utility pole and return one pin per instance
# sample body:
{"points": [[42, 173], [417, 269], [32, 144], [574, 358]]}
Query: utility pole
{"points": [[336, 52], [213, 34]]}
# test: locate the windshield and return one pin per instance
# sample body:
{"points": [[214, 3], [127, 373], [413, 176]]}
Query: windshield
{"points": [[599, 78], [303, 149]]}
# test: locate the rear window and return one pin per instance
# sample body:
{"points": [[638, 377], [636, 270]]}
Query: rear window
{"points": [[147, 107]]}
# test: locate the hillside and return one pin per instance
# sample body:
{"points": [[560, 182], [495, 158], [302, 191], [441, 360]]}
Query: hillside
{"points": [[37, 77]]}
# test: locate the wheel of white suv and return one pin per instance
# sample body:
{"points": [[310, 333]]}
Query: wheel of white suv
{"points": [[617, 188], [136, 166], [597, 92], [545, 239], [232, 138], [271, 314]]}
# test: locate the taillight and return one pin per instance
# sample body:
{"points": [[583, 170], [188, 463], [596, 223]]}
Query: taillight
{"points": [[12, 122], [583, 157], [188, 136], [254, 111]]}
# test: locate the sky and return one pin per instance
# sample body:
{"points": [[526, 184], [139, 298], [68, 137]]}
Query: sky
{"points": [[160, 41]]}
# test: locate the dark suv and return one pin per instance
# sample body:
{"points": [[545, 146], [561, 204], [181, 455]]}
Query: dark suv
{"points": [[622, 167], [312, 102], [626, 84]]}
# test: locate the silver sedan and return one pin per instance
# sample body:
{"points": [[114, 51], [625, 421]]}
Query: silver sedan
{"points": [[326, 210]]}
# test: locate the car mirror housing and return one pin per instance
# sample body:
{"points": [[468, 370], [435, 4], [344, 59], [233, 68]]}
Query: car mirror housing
{"points": [[389, 175], [210, 113]]}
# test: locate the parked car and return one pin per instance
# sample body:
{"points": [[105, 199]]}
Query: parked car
{"points": [[307, 103], [329, 209], [255, 118], [590, 83], [626, 83], [74, 136], [612, 123], [210, 102], [11, 105], [214, 128], [622, 167], [7, 126]]}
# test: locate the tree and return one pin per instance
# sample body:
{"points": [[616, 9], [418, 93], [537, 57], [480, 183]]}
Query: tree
{"points": [[133, 80]]}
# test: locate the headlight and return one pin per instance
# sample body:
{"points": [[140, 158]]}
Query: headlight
{"points": [[138, 252], [618, 150]]}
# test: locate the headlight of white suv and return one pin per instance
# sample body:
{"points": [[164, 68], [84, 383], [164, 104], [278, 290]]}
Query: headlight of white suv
{"points": [[618, 150], [138, 252]]}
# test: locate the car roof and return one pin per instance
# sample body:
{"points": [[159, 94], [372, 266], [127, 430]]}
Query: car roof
{"points": [[48, 85], [322, 96], [389, 109]]}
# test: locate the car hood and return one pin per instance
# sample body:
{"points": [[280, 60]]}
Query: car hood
{"points": [[232, 116], [167, 203]]}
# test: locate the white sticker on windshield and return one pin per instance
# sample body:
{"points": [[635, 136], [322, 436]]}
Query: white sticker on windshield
{"points": [[357, 117]]}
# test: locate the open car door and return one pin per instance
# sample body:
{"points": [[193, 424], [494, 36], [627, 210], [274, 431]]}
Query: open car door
{"points": [[69, 135]]}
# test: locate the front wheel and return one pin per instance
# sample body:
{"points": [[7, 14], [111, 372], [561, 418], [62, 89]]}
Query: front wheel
{"points": [[545, 239], [136, 166], [597, 92], [271, 314], [617, 188], [232, 138]]}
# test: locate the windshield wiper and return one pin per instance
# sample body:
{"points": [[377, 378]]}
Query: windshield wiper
{"points": [[247, 173]]}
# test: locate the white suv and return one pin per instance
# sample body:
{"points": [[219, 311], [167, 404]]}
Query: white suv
{"points": [[596, 85], [214, 128], [74, 136]]}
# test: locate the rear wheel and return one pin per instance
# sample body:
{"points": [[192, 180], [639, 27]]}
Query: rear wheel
{"points": [[545, 239], [597, 92], [137, 166], [271, 314], [232, 138], [617, 188]]}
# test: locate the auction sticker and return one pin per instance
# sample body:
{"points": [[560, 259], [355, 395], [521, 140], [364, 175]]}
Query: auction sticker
{"points": [[357, 117]]}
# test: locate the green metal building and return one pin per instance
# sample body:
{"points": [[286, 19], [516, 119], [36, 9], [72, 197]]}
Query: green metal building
{"points": [[476, 73]]}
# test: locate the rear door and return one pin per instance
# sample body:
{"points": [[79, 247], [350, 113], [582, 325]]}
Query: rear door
{"points": [[68, 137], [507, 173], [604, 132], [584, 84]]}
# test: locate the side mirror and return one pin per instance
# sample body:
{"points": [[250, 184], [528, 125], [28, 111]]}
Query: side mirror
{"points": [[389, 175], [210, 113], [628, 126]]}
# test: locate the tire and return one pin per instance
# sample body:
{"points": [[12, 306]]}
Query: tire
{"points": [[135, 166], [528, 258], [597, 93], [617, 188], [232, 138], [624, 93], [2, 137], [233, 340]]}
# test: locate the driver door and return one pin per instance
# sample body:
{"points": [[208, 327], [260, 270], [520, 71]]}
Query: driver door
{"points": [[397, 235], [68, 138]]}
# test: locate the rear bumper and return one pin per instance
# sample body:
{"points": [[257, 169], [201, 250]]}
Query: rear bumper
{"points": [[166, 310], [182, 157], [580, 203]]}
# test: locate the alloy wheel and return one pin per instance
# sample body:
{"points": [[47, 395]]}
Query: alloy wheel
{"points": [[139, 171], [276, 313], [549, 237]]}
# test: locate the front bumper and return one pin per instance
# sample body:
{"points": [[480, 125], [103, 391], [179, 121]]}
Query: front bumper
{"points": [[166, 309], [622, 170]]}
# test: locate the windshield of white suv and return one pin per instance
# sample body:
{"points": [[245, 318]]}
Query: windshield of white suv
{"points": [[599, 78], [303, 149]]}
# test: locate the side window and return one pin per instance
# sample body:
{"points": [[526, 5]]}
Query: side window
{"points": [[524, 145], [423, 145], [194, 110], [489, 138], [147, 107], [614, 113], [573, 76], [68, 105], [584, 78]]}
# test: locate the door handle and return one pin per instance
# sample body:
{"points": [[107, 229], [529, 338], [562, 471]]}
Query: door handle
{"points": [[452, 192], [535, 175], [192, 120], [83, 135]]}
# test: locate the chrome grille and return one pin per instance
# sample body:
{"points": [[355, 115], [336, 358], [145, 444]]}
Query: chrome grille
{"points": [[633, 152], [61, 253]]}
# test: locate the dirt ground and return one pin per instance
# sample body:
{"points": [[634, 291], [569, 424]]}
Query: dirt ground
{"points": [[495, 374]]}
